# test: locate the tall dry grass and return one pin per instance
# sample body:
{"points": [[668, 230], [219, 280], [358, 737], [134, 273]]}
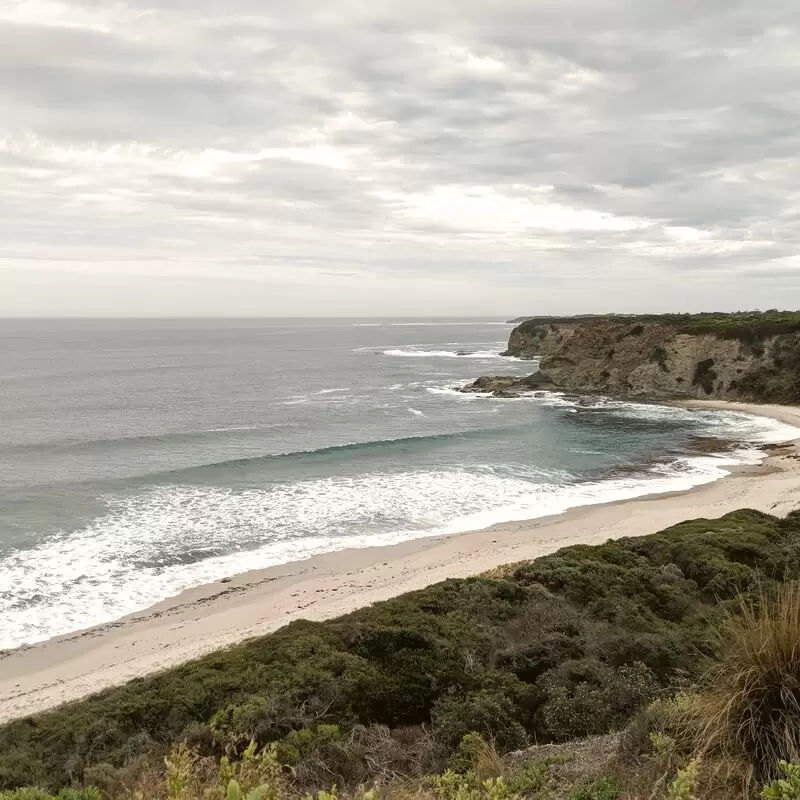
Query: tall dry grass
{"points": [[748, 713]]}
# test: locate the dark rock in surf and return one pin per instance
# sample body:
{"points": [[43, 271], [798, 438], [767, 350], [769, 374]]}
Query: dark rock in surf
{"points": [[507, 386]]}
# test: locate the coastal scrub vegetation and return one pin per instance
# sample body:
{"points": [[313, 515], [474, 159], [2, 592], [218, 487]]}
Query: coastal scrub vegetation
{"points": [[737, 732], [686, 640], [749, 327]]}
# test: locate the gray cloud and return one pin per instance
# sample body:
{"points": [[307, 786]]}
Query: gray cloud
{"points": [[452, 157]]}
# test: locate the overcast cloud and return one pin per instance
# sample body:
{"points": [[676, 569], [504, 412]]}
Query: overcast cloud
{"points": [[489, 157]]}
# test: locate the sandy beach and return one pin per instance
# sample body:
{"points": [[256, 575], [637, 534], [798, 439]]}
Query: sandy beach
{"points": [[209, 617]]}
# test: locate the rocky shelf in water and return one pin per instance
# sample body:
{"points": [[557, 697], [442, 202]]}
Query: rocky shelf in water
{"points": [[508, 385]]}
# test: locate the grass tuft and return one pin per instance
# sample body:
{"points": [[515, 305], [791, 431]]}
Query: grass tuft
{"points": [[749, 711]]}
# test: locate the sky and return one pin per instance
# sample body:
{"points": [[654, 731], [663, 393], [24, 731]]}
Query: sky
{"points": [[374, 158]]}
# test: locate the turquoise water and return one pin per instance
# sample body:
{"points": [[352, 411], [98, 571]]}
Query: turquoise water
{"points": [[138, 458]]}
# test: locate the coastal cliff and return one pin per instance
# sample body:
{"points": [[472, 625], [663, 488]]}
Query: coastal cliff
{"points": [[748, 357]]}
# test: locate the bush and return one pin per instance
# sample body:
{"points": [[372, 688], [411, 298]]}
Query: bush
{"points": [[683, 787], [588, 697], [491, 716], [302, 744], [322, 756]]}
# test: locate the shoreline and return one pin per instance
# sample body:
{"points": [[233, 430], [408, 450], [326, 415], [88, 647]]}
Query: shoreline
{"points": [[37, 677]]}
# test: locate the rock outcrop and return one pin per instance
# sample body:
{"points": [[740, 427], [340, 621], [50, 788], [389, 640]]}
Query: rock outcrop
{"points": [[507, 385], [753, 357]]}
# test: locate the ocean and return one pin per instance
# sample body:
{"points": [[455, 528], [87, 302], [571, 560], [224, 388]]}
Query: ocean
{"points": [[142, 457]]}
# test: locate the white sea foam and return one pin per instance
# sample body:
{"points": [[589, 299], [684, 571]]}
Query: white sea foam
{"points": [[235, 428], [449, 391], [484, 355], [157, 543], [725, 424]]}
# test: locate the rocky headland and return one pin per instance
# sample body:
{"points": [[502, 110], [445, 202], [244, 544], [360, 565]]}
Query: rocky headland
{"points": [[749, 357]]}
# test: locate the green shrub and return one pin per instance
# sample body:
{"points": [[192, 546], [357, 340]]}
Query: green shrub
{"points": [[302, 743], [786, 788], [456, 786], [588, 697], [488, 714], [683, 787]]}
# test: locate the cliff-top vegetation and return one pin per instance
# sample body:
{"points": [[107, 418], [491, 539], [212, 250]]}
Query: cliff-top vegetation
{"points": [[743, 325]]}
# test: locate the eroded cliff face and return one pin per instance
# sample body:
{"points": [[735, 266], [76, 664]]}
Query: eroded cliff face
{"points": [[617, 357], [532, 341]]}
